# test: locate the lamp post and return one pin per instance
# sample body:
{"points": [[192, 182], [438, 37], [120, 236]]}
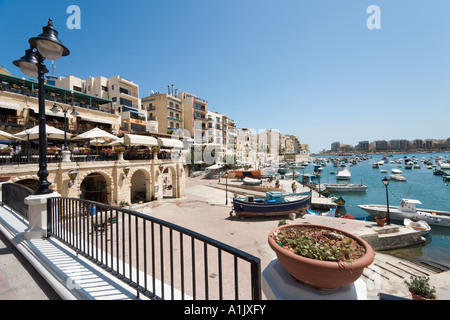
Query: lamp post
{"points": [[386, 183], [45, 46], [226, 187], [55, 110]]}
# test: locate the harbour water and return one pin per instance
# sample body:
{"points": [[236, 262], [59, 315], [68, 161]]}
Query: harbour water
{"points": [[421, 184]]}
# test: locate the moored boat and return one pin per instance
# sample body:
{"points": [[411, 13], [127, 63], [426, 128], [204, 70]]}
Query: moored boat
{"points": [[343, 173], [418, 225], [397, 177], [330, 213], [273, 204], [407, 209], [346, 187], [396, 171]]}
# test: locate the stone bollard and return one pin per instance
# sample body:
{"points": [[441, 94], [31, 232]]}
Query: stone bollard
{"points": [[65, 154], [37, 215]]}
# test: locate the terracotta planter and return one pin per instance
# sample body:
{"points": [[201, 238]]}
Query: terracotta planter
{"points": [[322, 274], [4, 178], [380, 221], [417, 297]]}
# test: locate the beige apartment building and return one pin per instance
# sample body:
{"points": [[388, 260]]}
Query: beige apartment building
{"points": [[123, 93], [195, 116], [166, 109]]}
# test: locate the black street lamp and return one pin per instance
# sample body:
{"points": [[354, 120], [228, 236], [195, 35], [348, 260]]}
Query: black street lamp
{"points": [[226, 187], [55, 110], [386, 183], [45, 46]]}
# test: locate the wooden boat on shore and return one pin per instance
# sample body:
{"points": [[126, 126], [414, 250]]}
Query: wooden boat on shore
{"points": [[240, 174], [407, 209], [346, 187], [273, 204], [251, 181]]}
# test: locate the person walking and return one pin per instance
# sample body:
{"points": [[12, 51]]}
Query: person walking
{"points": [[294, 187]]}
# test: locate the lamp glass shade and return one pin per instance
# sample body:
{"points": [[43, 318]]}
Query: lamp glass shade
{"points": [[49, 50], [54, 109], [126, 170], [385, 181], [73, 174], [48, 44], [74, 112], [28, 68]]}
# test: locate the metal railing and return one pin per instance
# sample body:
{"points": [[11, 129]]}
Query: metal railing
{"points": [[13, 195], [159, 259]]}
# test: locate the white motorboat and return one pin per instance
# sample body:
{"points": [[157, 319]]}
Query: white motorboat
{"points": [[343, 173], [397, 177], [418, 225], [383, 171], [407, 209], [346, 187], [396, 171], [444, 166]]}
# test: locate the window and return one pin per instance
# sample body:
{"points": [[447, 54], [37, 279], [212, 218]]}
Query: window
{"points": [[104, 88], [77, 88]]}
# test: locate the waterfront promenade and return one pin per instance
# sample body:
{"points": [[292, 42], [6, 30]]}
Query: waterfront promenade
{"points": [[203, 210]]}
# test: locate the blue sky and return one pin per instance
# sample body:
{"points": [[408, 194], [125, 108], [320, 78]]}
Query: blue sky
{"points": [[308, 68]]}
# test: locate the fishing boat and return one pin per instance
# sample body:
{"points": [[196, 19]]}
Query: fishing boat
{"points": [[290, 175], [239, 174], [444, 165], [330, 213], [418, 225], [438, 172], [343, 173], [346, 187], [251, 181], [446, 177], [273, 204], [409, 165], [397, 177], [407, 209]]}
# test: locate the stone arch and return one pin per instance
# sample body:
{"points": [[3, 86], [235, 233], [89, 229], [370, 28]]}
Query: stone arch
{"points": [[106, 176], [27, 180], [169, 181], [140, 182]]}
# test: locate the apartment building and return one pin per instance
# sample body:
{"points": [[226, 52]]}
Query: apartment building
{"points": [[166, 110], [123, 93], [194, 116], [246, 147]]}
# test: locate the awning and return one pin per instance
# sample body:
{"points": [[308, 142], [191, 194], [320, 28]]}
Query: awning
{"points": [[50, 113], [170, 143], [138, 140], [125, 108], [99, 120], [9, 105]]}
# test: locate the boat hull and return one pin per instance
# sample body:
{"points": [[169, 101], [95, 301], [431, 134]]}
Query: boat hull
{"points": [[432, 217], [245, 208], [346, 187]]}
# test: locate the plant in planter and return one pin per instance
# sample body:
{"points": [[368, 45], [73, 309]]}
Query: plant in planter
{"points": [[119, 149], [380, 218], [320, 256], [277, 183], [420, 288]]}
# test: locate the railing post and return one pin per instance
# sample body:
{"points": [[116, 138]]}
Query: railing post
{"points": [[37, 215]]}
